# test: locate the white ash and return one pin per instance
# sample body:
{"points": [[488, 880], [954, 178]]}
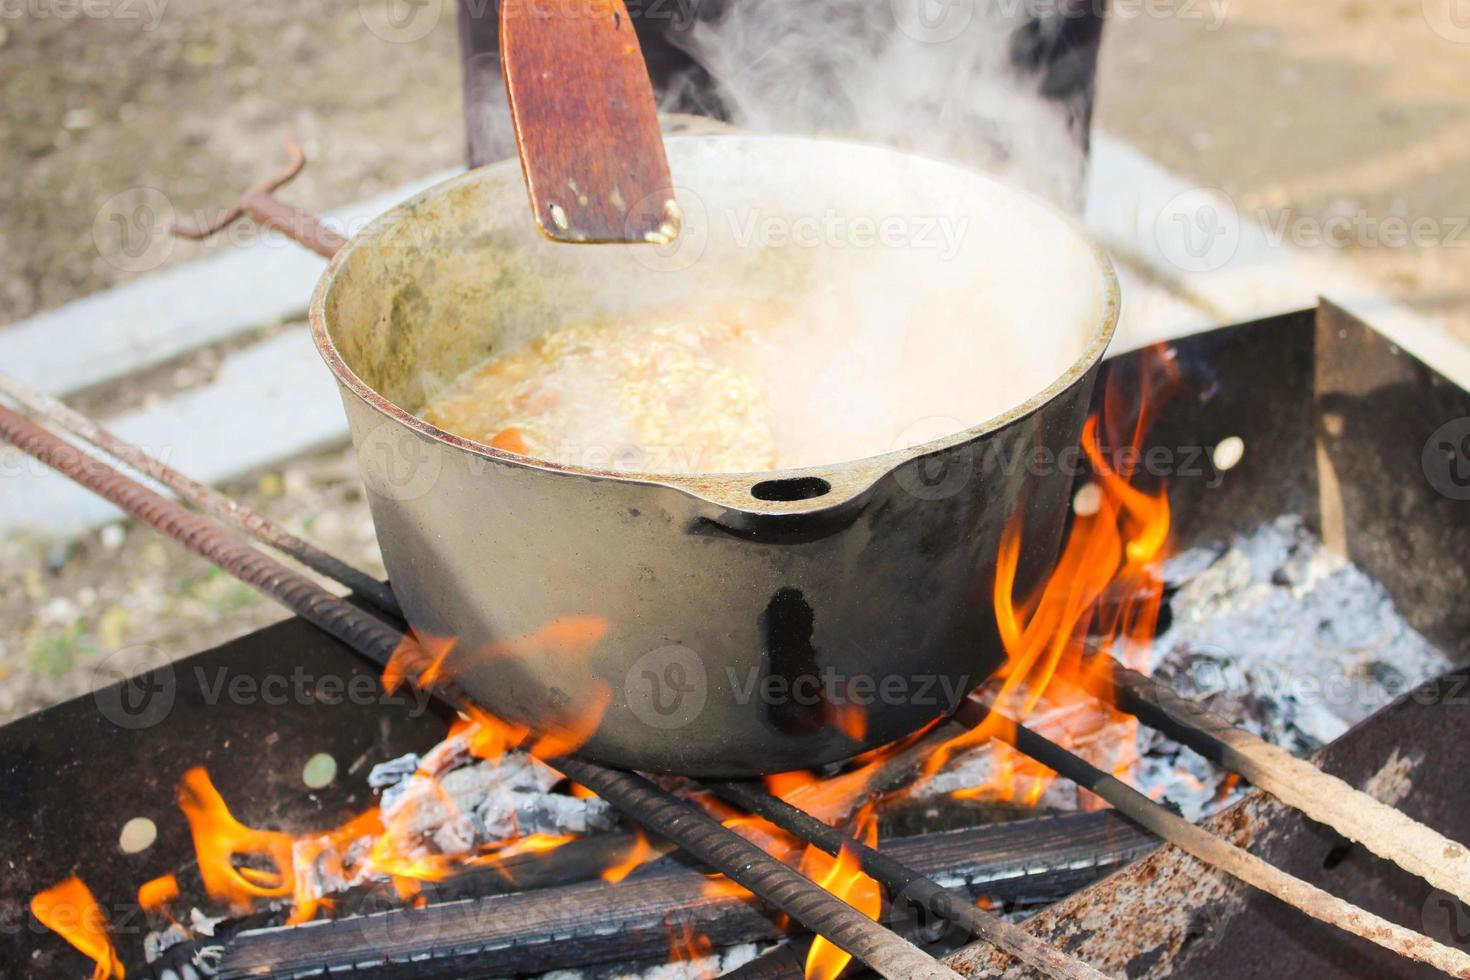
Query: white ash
{"points": [[1079, 727], [1283, 637], [472, 802], [160, 940], [717, 964], [449, 804]]}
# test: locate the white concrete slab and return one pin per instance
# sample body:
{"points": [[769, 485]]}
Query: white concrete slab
{"points": [[123, 330], [267, 403], [1230, 267]]}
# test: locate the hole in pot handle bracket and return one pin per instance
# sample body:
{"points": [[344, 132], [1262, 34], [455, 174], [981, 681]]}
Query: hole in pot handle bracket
{"points": [[756, 499], [791, 489]]}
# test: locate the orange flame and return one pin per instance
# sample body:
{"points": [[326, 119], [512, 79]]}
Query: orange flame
{"points": [[69, 910], [394, 851], [421, 659], [220, 841], [843, 877], [851, 720], [1103, 592], [636, 856], [686, 945], [157, 895]]}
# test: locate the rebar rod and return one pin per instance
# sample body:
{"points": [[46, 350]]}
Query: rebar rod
{"points": [[903, 883], [1235, 861], [200, 495], [695, 832], [1386, 831], [658, 812]]}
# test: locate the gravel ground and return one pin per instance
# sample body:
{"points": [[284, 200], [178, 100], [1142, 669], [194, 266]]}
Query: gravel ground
{"points": [[1332, 108], [111, 126], [83, 613]]}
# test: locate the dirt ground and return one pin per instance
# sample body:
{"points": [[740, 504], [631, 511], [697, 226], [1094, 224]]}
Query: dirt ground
{"points": [[1311, 110], [1355, 110]]}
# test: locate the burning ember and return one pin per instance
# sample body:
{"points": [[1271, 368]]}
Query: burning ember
{"points": [[484, 794], [842, 876], [686, 945]]}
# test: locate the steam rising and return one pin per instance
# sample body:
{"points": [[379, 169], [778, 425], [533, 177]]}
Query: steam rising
{"points": [[1000, 85]]}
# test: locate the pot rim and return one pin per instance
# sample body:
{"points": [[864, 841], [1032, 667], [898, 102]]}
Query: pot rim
{"points": [[843, 480]]}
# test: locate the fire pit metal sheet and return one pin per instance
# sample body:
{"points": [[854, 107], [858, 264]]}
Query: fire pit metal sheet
{"points": [[252, 712]]}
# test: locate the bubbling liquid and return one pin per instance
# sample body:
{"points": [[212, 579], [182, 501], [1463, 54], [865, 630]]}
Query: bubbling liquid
{"points": [[731, 387]]}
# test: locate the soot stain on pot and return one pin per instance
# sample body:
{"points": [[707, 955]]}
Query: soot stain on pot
{"points": [[410, 307], [786, 628]]}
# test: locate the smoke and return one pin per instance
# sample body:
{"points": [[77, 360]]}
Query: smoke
{"points": [[1004, 86]]}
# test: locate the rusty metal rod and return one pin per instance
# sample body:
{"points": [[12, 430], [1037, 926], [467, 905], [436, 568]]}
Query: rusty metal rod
{"points": [[271, 212], [660, 813], [1382, 829], [1235, 861], [204, 497], [906, 885]]}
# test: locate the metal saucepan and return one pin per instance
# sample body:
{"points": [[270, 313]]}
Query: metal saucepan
{"points": [[719, 624]]}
